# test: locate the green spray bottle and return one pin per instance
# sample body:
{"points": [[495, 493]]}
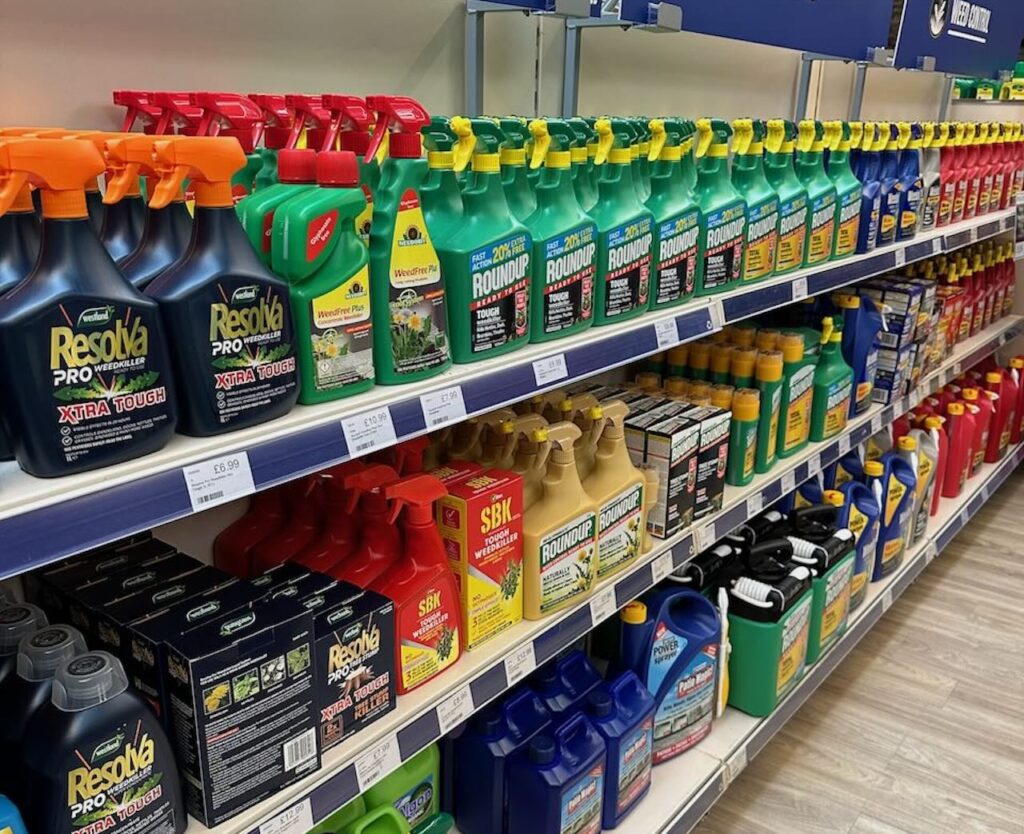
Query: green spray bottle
{"points": [[296, 174], [440, 194], [564, 238], [624, 230], [583, 180], [722, 207], [821, 193], [838, 139], [676, 250], [486, 260], [349, 128], [762, 200], [642, 165], [515, 176], [833, 385], [794, 207], [317, 250], [743, 431], [686, 161], [797, 391], [407, 288], [768, 381], [277, 122]]}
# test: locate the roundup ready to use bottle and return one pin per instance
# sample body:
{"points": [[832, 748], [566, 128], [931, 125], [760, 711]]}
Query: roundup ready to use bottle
{"points": [[227, 316], [833, 386], [838, 138], [516, 178], [794, 208], [821, 192], [440, 194], [73, 312], [723, 210], [407, 288], [486, 259], [762, 199]]}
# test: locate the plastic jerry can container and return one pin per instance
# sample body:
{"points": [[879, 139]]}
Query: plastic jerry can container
{"points": [[10, 818], [622, 711], [862, 322], [564, 684], [769, 629], [671, 640], [899, 482], [984, 411], [296, 175], [482, 754], [1002, 385], [859, 513], [558, 782], [383, 819], [413, 789], [16, 622], [927, 446], [336, 823], [92, 708], [850, 467]]}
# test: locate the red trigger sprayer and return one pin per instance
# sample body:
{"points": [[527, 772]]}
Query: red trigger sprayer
{"points": [[381, 543], [349, 129], [138, 108], [403, 117], [310, 116], [177, 113], [339, 530], [277, 127]]}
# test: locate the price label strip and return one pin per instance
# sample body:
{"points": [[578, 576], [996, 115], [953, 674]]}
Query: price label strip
{"points": [[755, 503], [799, 289], [445, 406], [295, 820], [662, 566], [218, 480], [368, 431], [602, 606], [667, 333], [377, 762], [886, 599], [788, 482], [550, 369], [520, 663], [455, 709]]}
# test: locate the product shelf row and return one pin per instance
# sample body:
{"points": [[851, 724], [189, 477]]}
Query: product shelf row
{"points": [[685, 789], [430, 711], [43, 520]]}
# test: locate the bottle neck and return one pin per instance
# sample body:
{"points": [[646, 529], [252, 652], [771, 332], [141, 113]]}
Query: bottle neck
{"points": [[171, 222], [616, 181], [562, 474], [65, 241], [555, 189], [218, 229], [667, 177], [486, 196]]}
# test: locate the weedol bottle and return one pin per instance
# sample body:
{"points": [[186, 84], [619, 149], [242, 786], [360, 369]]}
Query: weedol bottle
{"points": [[72, 313], [486, 259], [317, 249], [794, 209], [407, 289], [821, 192], [871, 200], [762, 200], [723, 210], [130, 760], [227, 316], [848, 188], [624, 230], [910, 141], [564, 239], [933, 140]]}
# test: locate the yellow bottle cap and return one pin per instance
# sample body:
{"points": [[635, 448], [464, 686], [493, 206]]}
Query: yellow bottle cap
{"points": [[993, 376], [907, 443], [721, 396], [679, 355], [834, 497], [700, 356], [1017, 362], [846, 301], [700, 393], [743, 335], [766, 339], [792, 345], [873, 468], [721, 358], [969, 394], [677, 386], [955, 409], [769, 366], [746, 404], [635, 613], [933, 422], [743, 360]]}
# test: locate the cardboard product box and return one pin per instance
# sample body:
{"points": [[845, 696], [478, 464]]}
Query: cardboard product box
{"points": [[926, 314], [101, 559], [892, 374], [354, 659], [280, 575], [672, 447], [712, 458], [301, 587], [904, 300], [455, 471], [481, 525], [241, 694]]}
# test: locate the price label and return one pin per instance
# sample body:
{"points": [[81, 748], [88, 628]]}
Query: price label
{"points": [[703, 537], [930, 552], [876, 424], [974, 234], [444, 406], [218, 480], [368, 431], [844, 444], [377, 762], [957, 369], [716, 312], [937, 246], [788, 482], [520, 663], [984, 493], [755, 503], [964, 517], [901, 257], [736, 764], [602, 606], [455, 709], [550, 369], [662, 566], [667, 333], [886, 599], [813, 465], [295, 820], [799, 288]]}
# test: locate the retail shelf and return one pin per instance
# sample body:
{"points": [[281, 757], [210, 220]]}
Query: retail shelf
{"points": [[43, 520], [683, 790], [426, 714]]}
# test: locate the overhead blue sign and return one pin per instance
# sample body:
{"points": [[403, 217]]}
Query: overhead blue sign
{"points": [[964, 37], [643, 11]]}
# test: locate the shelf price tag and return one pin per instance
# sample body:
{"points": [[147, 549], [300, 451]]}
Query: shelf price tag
{"points": [[716, 312], [788, 482], [901, 257], [844, 444], [444, 406], [455, 709], [368, 431], [886, 599], [520, 663], [930, 552], [662, 566], [703, 537], [799, 288], [813, 465], [602, 606], [974, 234], [937, 246], [876, 424], [755, 503], [218, 480], [550, 369], [667, 333], [735, 765], [964, 517], [295, 820], [377, 762]]}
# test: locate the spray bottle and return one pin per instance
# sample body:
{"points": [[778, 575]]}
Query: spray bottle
{"points": [[890, 185], [871, 198], [350, 129], [794, 209], [296, 174], [722, 208], [797, 392], [934, 138], [440, 194], [821, 192], [564, 239], [833, 386], [515, 176], [977, 133], [234, 115], [583, 177], [410, 323], [380, 543], [762, 200], [848, 188], [277, 125], [678, 258], [910, 140], [124, 219], [960, 135], [988, 132]]}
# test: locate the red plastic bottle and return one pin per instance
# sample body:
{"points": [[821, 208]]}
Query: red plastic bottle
{"points": [[983, 410], [338, 536], [934, 426], [948, 180], [299, 529], [959, 431], [232, 549], [1016, 373], [900, 427], [1017, 155], [985, 172], [972, 173], [427, 612], [1007, 392], [959, 175], [380, 544]]}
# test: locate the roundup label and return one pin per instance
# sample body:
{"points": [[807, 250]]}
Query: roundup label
{"points": [[798, 413], [619, 531], [837, 408], [838, 587], [342, 334], [635, 756], [568, 263], [762, 240], [792, 234], [793, 655], [499, 275], [581, 804], [628, 267], [677, 249], [723, 250], [823, 225], [848, 223], [567, 562]]}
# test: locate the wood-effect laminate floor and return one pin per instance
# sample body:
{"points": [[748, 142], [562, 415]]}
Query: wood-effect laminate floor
{"points": [[920, 730]]}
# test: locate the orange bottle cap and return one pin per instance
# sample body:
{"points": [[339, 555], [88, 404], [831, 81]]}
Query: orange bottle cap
{"points": [[721, 396], [792, 346], [746, 404], [679, 355], [209, 161], [743, 361], [834, 497], [700, 392], [769, 366], [721, 358], [743, 334], [767, 339], [635, 613], [1017, 362], [62, 170], [719, 337]]}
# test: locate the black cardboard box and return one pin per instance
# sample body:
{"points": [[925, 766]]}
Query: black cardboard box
{"points": [[712, 458]]}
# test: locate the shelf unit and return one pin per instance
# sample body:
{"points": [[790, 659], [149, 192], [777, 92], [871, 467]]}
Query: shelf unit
{"points": [[429, 712], [44, 520]]}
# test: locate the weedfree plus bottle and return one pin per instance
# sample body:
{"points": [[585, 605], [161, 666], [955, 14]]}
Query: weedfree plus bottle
{"points": [[228, 317], [564, 239], [821, 193], [848, 188], [761, 198], [486, 260], [407, 289], [624, 230], [77, 324], [871, 199], [350, 124], [910, 141], [722, 208], [678, 258], [794, 209]]}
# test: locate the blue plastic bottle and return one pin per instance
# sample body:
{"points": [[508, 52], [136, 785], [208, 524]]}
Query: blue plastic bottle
{"points": [[862, 321], [867, 169], [482, 754], [898, 483], [558, 782], [911, 138], [670, 638], [564, 684], [807, 494], [10, 819], [889, 187], [850, 467], [622, 711], [860, 513]]}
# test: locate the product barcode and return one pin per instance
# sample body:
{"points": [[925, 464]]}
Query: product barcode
{"points": [[211, 496], [300, 750], [362, 447]]}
